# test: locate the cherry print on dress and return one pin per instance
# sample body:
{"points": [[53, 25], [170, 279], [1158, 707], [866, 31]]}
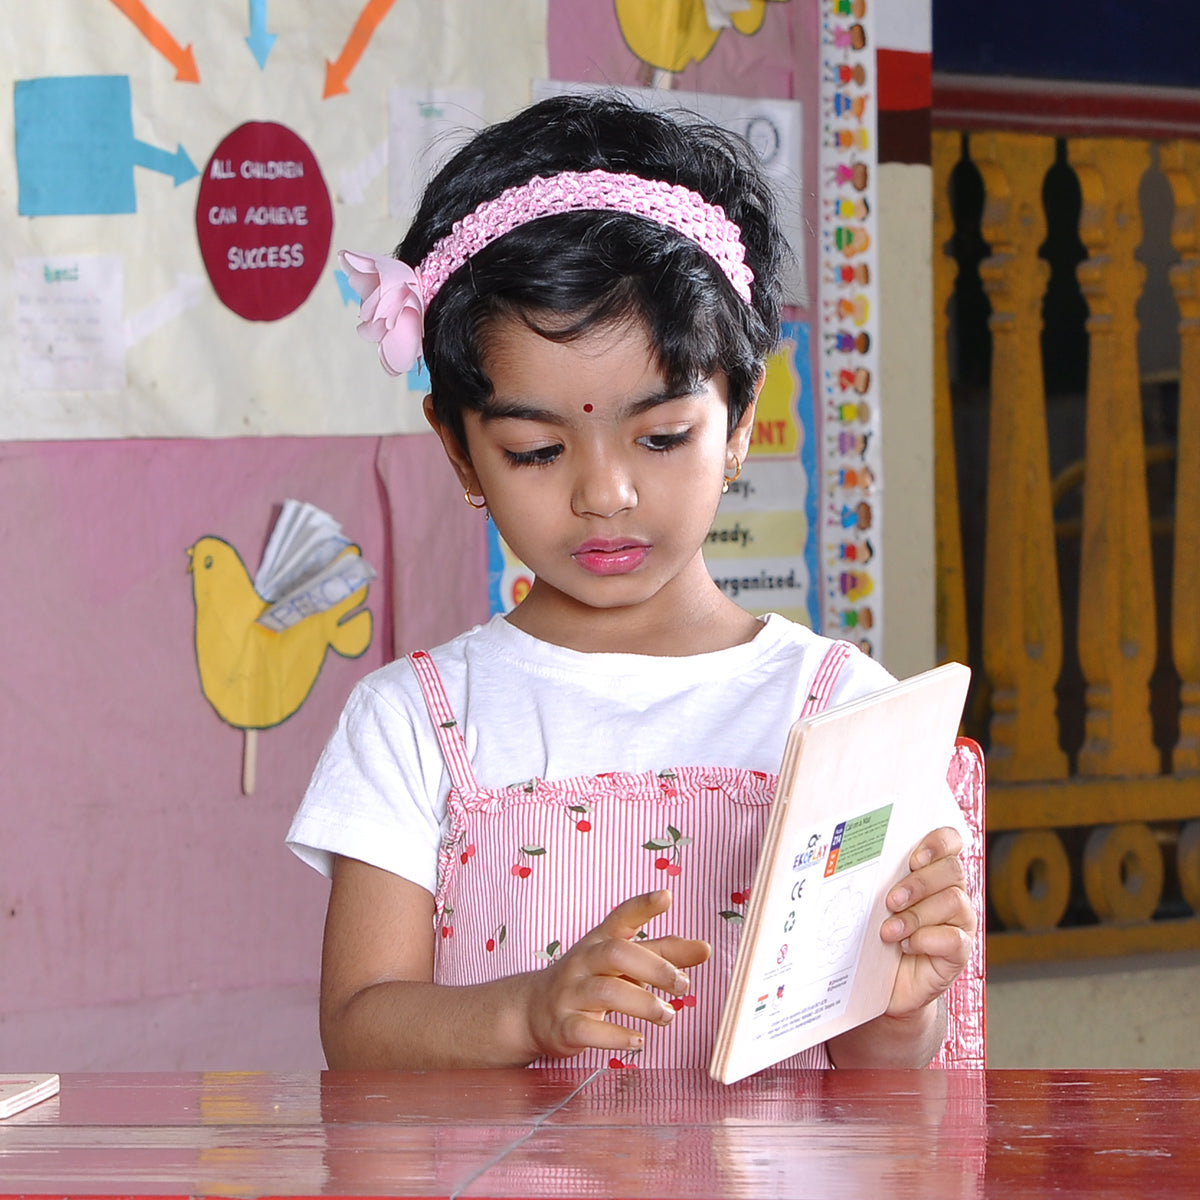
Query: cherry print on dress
{"points": [[669, 850], [521, 869], [737, 900], [618, 1062], [552, 952]]}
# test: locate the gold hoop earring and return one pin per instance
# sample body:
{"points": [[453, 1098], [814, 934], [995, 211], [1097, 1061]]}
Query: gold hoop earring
{"points": [[728, 479], [482, 500]]}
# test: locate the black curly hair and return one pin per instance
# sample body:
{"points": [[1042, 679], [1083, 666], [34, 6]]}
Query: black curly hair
{"points": [[565, 274]]}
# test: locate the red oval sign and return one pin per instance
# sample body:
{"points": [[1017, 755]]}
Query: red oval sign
{"points": [[264, 221]]}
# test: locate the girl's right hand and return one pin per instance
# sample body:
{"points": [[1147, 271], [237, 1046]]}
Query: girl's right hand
{"points": [[608, 972]]}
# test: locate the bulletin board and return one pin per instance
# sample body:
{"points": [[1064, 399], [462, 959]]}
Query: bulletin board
{"points": [[183, 176], [176, 179]]}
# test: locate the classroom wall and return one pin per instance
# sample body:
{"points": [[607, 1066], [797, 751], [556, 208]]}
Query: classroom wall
{"points": [[906, 332], [150, 915]]}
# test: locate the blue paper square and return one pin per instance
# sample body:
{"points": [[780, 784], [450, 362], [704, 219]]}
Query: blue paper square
{"points": [[75, 145]]}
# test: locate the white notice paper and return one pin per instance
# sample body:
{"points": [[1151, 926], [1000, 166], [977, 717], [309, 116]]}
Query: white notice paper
{"points": [[70, 332], [425, 127]]}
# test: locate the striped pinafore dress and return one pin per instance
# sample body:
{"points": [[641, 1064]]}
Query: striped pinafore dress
{"points": [[525, 871]]}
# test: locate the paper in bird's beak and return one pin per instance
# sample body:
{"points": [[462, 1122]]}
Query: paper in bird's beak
{"points": [[307, 567]]}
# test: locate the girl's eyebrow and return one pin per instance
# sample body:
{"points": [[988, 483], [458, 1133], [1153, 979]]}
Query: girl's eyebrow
{"points": [[513, 410], [516, 410]]}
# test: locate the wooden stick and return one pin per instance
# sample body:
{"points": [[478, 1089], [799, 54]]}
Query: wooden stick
{"points": [[249, 760]]}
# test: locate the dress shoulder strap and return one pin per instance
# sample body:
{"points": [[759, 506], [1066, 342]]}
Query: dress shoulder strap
{"points": [[445, 723], [829, 670]]}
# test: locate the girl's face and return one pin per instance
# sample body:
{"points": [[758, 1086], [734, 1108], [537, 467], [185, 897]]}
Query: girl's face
{"points": [[603, 481]]}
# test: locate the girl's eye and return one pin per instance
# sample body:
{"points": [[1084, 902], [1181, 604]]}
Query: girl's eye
{"points": [[540, 456], [664, 441]]}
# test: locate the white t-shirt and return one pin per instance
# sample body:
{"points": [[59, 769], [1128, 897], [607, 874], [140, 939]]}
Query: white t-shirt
{"points": [[530, 709]]}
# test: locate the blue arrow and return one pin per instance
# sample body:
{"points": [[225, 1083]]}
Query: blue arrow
{"points": [[76, 150], [178, 165], [259, 41], [418, 378], [349, 295]]}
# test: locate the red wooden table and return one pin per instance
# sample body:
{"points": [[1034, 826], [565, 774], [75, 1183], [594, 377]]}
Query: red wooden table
{"points": [[669, 1135]]}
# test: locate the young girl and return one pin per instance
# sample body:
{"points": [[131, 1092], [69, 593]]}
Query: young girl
{"points": [[542, 834]]}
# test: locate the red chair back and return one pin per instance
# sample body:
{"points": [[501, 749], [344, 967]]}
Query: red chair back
{"points": [[966, 1031]]}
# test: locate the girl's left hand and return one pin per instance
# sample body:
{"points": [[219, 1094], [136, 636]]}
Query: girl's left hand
{"points": [[932, 920]]}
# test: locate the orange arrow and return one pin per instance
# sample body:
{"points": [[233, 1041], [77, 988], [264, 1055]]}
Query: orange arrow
{"points": [[153, 31], [336, 73]]}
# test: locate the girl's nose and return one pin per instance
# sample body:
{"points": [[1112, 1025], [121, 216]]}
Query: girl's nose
{"points": [[603, 488]]}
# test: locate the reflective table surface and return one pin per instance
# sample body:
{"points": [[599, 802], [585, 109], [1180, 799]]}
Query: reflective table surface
{"points": [[653, 1135]]}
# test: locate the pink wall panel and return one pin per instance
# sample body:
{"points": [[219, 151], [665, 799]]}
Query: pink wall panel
{"points": [[586, 45], [132, 869]]}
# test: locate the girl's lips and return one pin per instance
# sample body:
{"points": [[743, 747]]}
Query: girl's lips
{"points": [[607, 556]]}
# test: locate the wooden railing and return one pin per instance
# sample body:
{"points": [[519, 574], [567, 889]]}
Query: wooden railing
{"points": [[1094, 848]]}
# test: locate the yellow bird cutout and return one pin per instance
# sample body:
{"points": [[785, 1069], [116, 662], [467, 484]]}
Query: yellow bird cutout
{"points": [[669, 34], [256, 678]]}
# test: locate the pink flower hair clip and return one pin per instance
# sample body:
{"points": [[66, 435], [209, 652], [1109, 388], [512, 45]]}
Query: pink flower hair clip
{"points": [[392, 309]]}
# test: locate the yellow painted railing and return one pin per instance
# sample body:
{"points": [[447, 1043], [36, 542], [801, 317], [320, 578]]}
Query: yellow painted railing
{"points": [[1095, 851]]}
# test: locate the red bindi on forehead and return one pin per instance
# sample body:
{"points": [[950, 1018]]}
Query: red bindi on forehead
{"points": [[587, 408]]}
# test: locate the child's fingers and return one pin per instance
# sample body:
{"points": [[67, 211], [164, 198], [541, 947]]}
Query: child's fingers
{"points": [[938, 875], [950, 907], [945, 842], [625, 997], [627, 919], [946, 947], [584, 1031], [939, 953], [654, 962], [682, 952], [609, 957], [932, 919], [610, 971]]}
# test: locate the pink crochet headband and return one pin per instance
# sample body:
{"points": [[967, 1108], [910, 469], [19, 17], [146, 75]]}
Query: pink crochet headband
{"points": [[395, 296]]}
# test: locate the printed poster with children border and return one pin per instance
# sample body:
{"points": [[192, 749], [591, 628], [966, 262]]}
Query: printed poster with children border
{"points": [[851, 516]]}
